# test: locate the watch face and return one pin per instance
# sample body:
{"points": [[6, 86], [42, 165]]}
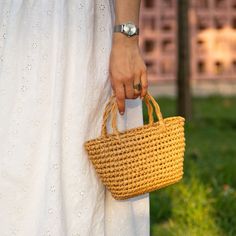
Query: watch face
{"points": [[129, 29]]}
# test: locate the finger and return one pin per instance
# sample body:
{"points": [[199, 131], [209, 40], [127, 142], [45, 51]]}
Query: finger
{"points": [[144, 82], [137, 80], [112, 83], [129, 90], [120, 97]]}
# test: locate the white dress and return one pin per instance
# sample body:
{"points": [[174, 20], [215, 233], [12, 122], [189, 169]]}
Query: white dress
{"points": [[54, 85]]}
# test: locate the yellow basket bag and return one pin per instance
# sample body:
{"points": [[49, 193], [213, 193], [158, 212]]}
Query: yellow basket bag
{"points": [[138, 160]]}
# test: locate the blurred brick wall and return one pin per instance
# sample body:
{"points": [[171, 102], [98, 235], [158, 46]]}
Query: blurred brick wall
{"points": [[212, 39]]}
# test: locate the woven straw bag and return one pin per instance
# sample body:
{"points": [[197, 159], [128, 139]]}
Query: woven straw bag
{"points": [[138, 160]]}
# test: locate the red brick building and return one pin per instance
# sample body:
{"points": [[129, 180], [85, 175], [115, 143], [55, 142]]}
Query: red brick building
{"points": [[212, 38]]}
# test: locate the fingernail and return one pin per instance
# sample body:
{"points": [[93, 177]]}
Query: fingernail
{"points": [[122, 113]]}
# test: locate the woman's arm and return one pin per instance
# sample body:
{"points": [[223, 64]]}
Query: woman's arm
{"points": [[127, 66], [127, 11]]}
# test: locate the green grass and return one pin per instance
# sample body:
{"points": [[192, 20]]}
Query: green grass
{"points": [[204, 202]]}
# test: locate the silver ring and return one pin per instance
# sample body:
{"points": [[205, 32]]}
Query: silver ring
{"points": [[137, 86]]}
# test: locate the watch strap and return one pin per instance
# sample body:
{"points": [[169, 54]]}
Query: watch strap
{"points": [[118, 28]]}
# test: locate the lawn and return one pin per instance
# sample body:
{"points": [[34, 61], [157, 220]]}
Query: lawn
{"points": [[204, 202]]}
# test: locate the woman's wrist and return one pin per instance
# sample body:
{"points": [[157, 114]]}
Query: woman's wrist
{"points": [[119, 38]]}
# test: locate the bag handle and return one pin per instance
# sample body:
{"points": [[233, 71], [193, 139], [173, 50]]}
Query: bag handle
{"points": [[111, 108]]}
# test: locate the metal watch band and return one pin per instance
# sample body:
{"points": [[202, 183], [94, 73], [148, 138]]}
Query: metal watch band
{"points": [[119, 28]]}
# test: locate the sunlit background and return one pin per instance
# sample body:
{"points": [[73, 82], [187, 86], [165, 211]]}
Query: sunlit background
{"points": [[204, 202], [212, 39]]}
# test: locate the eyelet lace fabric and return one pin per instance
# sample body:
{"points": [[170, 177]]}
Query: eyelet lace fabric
{"points": [[54, 85]]}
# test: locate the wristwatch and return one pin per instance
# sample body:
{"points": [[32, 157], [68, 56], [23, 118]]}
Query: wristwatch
{"points": [[129, 29]]}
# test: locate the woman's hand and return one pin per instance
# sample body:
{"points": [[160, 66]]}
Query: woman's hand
{"points": [[126, 69]]}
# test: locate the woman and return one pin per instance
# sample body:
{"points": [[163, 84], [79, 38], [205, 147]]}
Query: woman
{"points": [[60, 61]]}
